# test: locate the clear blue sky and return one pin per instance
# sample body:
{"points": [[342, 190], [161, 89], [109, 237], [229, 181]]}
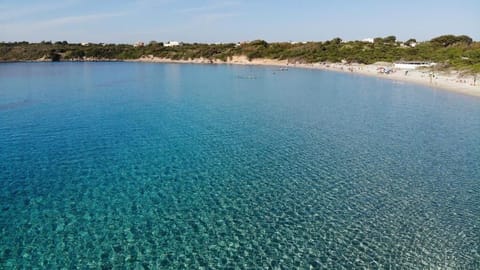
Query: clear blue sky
{"points": [[127, 21]]}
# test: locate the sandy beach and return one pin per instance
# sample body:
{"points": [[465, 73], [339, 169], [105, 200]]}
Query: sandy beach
{"points": [[453, 81]]}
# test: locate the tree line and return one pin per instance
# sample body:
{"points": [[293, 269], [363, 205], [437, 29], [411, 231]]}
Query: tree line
{"points": [[449, 51]]}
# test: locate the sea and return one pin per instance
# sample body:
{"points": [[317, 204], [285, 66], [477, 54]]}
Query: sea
{"points": [[113, 165]]}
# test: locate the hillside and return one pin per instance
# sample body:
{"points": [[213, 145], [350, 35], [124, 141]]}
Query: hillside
{"points": [[449, 51]]}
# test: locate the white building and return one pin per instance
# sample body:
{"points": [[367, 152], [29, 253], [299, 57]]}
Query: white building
{"points": [[172, 44], [368, 40], [413, 64], [408, 45], [298, 42], [138, 44]]}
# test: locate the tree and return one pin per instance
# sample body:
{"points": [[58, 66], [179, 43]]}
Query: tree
{"points": [[448, 40], [260, 43], [337, 41], [445, 40], [390, 39], [464, 39]]}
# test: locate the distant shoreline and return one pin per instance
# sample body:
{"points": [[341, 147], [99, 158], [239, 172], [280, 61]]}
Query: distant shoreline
{"points": [[452, 81]]}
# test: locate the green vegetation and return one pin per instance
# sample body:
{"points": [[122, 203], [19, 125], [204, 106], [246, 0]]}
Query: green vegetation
{"points": [[455, 52]]}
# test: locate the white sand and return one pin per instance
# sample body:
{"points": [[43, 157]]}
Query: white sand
{"points": [[448, 81]]}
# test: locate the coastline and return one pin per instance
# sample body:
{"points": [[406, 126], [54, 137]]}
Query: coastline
{"points": [[452, 81]]}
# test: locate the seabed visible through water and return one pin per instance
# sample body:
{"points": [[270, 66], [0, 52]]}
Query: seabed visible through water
{"points": [[164, 166]]}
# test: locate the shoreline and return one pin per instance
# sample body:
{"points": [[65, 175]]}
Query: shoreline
{"points": [[452, 81]]}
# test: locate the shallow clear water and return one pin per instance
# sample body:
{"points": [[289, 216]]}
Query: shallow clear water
{"points": [[188, 166]]}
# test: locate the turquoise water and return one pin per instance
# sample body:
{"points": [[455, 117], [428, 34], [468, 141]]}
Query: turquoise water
{"points": [[159, 166]]}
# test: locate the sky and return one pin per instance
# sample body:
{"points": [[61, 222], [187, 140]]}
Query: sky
{"points": [[209, 21]]}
